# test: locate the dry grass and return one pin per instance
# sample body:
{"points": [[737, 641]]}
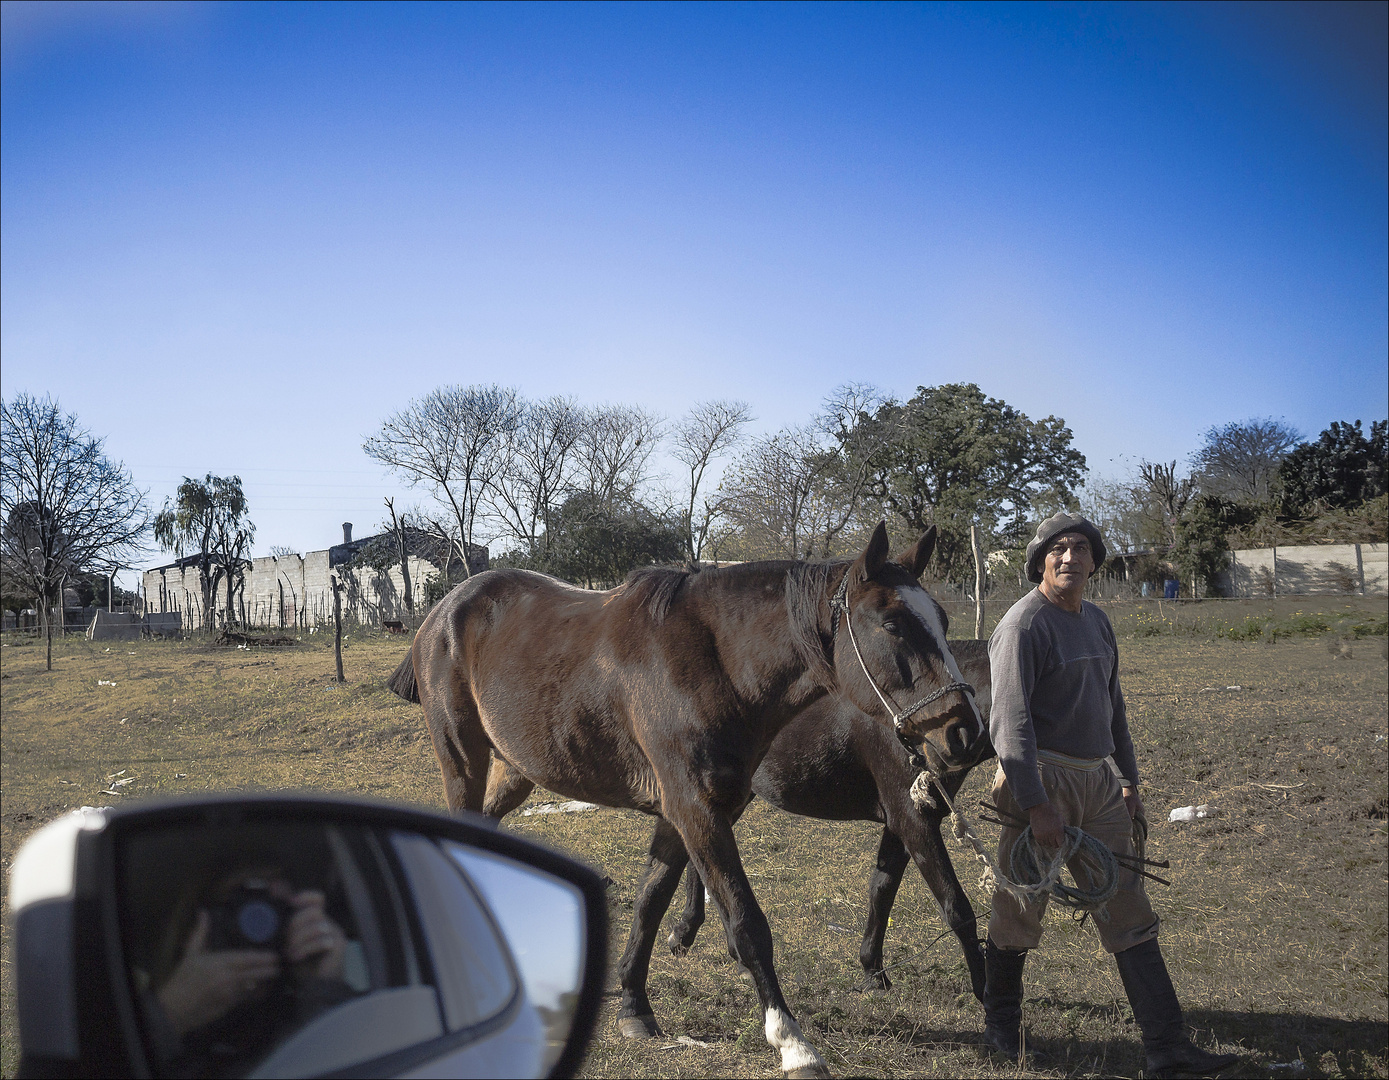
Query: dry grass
{"points": [[1275, 925]]}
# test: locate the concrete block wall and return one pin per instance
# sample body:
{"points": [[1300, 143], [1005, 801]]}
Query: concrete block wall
{"points": [[294, 590], [1311, 570]]}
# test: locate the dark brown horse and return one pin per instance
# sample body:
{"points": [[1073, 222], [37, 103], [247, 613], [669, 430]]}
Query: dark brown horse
{"points": [[664, 694], [834, 763]]}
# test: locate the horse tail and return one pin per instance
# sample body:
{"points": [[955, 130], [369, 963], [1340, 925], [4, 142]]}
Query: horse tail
{"points": [[402, 681]]}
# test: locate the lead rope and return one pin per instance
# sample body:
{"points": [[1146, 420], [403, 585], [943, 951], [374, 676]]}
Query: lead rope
{"points": [[1027, 855]]}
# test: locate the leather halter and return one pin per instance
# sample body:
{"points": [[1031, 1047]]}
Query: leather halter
{"points": [[840, 602]]}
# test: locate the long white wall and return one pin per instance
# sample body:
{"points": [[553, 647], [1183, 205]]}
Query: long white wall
{"points": [[1311, 569], [293, 590]]}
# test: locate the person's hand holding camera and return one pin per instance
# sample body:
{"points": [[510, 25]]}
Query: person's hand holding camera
{"points": [[314, 943], [208, 983]]}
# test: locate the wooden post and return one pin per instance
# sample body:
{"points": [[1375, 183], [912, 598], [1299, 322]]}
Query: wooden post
{"points": [[337, 623], [978, 545]]}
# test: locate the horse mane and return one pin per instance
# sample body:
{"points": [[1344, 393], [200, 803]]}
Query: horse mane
{"points": [[655, 587], [807, 587]]}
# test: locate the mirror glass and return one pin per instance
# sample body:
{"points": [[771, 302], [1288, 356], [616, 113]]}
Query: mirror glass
{"points": [[299, 947], [542, 917]]}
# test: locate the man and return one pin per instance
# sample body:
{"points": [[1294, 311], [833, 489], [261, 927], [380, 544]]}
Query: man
{"points": [[1058, 715]]}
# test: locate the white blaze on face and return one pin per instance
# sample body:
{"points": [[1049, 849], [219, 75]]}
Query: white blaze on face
{"points": [[785, 1035], [917, 600]]}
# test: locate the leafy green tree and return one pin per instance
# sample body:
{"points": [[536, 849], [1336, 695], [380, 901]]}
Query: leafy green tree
{"points": [[1341, 470], [208, 518], [593, 541], [1202, 550], [952, 457]]}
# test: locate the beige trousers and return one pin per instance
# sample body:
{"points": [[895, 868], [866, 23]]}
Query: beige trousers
{"points": [[1086, 794]]}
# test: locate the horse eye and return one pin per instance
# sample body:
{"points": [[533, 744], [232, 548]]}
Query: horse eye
{"points": [[891, 627]]}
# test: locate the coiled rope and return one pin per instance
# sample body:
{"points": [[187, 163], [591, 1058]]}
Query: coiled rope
{"points": [[1028, 883]]}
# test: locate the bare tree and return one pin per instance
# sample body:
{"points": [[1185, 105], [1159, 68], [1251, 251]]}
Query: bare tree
{"points": [[454, 440], [771, 495], [708, 432], [65, 506], [1240, 460], [612, 452], [536, 473], [1171, 493], [398, 528]]}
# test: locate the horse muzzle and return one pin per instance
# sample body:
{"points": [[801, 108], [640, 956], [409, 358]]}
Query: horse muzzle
{"points": [[952, 741]]}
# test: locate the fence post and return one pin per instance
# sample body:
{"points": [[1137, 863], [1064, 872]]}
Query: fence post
{"points": [[978, 546], [337, 622]]}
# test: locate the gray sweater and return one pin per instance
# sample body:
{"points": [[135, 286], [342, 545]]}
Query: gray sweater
{"points": [[1055, 687]]}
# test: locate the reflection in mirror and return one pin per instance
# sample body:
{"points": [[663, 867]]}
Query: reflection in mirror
{"points": [[296, 948], [542, 917]]}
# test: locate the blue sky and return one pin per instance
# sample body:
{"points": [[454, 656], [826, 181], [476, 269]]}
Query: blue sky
{"points": [[234, 237]]}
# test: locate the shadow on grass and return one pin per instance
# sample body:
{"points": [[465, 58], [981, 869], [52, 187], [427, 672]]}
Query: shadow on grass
{"points": [[1305, 1045]]}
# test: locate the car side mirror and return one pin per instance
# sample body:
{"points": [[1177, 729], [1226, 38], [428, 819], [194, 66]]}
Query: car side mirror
{"points": [[283, 936]]}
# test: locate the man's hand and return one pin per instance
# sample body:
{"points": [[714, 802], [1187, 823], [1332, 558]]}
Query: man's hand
{"points": [[207, 985], [313, 938], [1133, 801], [1047, 827]]}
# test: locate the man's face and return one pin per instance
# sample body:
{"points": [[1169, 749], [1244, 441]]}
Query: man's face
{"points": [[1069, 562]]}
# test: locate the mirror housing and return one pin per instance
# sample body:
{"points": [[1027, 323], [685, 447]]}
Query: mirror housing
{"points": [[483, 916]]}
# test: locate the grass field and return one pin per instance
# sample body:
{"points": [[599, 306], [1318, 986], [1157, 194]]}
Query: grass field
{"points": [[1275, 924]]}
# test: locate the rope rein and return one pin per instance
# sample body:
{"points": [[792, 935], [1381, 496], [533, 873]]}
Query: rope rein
{"points": [[841, 603]]}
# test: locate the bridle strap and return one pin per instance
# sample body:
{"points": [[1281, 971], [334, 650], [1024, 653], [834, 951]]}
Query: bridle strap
{"points": [[840, 603]]}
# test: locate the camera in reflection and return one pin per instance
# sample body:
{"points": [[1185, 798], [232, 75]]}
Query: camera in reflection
{"points": [[250, 916]]}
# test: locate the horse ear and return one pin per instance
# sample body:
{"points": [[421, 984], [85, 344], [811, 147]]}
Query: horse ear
{"points": [[915, 558], [875, 554]]}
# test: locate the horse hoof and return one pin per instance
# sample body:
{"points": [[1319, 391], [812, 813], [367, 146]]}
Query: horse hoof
{"points": [[639, 1027], [677, 947], [809, 1072], [877, 982]]}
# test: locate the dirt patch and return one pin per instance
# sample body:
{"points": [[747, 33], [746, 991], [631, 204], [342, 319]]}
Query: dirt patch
{"points": [[1275, 925]]}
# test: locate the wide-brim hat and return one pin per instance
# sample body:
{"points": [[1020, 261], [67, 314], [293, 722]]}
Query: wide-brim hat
{"points": [[1053, 527]]}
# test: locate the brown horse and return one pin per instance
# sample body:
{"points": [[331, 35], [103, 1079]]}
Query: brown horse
{"points": [[834, 763], [663, 695]]}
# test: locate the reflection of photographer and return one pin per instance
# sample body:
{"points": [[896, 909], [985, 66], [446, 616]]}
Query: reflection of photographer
{"points": [[248, 961], [237, 951]]}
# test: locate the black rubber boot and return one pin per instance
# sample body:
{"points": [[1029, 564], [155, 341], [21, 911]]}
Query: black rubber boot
{"points": [[1170, 1052], [1003, 1030]]}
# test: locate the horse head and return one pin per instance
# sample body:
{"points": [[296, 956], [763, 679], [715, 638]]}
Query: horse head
{"points": [[891, 658]]}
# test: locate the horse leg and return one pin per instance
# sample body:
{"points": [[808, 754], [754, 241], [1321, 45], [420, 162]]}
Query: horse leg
{"points": [[506, 788], [882, 891], [682, 935], [920, 833], [712, 848], [461, 745], [666, 859]]}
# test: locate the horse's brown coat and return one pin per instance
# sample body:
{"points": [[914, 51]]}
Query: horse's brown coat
{"points": [[663, 696]]}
